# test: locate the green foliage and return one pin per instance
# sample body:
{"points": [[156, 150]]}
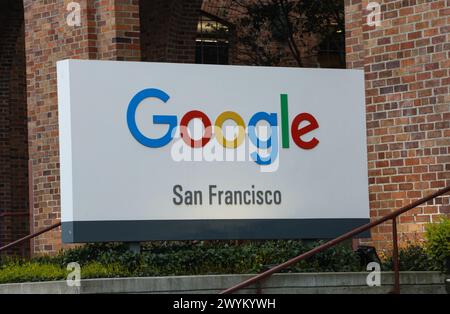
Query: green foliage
{"points": [[434, 255], [97, 270], [438, 243], [179, 258], [412, 258], [24, 272], [198, 258], [41, 271]]}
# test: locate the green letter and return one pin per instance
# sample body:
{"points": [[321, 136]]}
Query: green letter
{"points": [[284, 121]]}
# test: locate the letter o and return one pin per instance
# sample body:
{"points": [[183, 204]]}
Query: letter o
{"points": [[229, 115], [188, 117], [277, 197]]}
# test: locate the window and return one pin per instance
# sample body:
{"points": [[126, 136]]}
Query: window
{"points": [[213, 41]]}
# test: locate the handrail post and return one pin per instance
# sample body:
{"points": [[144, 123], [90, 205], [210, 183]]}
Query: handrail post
{"points": [[395, 261], [31, 205]]}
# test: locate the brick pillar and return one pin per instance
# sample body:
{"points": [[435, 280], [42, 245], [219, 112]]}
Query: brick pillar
{"points": [[107, 31], [406, 62], [118, 30], [13, 127], [354, 34]]}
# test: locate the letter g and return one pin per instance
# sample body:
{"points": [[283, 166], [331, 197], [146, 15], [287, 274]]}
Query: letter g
{"points": [[157, 119]]}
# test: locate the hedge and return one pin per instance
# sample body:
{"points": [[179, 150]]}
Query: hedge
{"points": [[217, 257]]}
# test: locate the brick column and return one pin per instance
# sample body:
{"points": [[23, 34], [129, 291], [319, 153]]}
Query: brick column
{"points": [[107, 31], [118, 30], [408, 108]]}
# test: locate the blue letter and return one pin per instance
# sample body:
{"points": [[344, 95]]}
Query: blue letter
{"points": [[131, 119], [272, 120]]}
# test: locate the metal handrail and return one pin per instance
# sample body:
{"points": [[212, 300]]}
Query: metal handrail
{"points": [[4, 215], [12, 214], [30, 236], [392, 216]]}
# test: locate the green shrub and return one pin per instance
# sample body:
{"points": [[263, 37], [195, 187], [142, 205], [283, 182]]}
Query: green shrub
{"points": [[411, 258], [97, 270], [185, 258], [250, 257], [438, 242], [196, 258], [31, 271]]}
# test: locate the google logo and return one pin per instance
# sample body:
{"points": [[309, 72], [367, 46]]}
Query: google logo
{"points": [[301, 125]]}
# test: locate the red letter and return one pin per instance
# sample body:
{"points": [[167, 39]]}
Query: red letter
{"points": [[297, 132], [195, 114]]}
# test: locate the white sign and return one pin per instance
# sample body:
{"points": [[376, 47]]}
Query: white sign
{"points": [[158, 151]]}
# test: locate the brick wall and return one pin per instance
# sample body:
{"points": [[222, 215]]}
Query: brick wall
{"points": [[108, 30], [406, 63], [13, 126]]}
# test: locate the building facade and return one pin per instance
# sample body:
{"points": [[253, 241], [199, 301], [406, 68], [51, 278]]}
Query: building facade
{"points": [[406, 60]]}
